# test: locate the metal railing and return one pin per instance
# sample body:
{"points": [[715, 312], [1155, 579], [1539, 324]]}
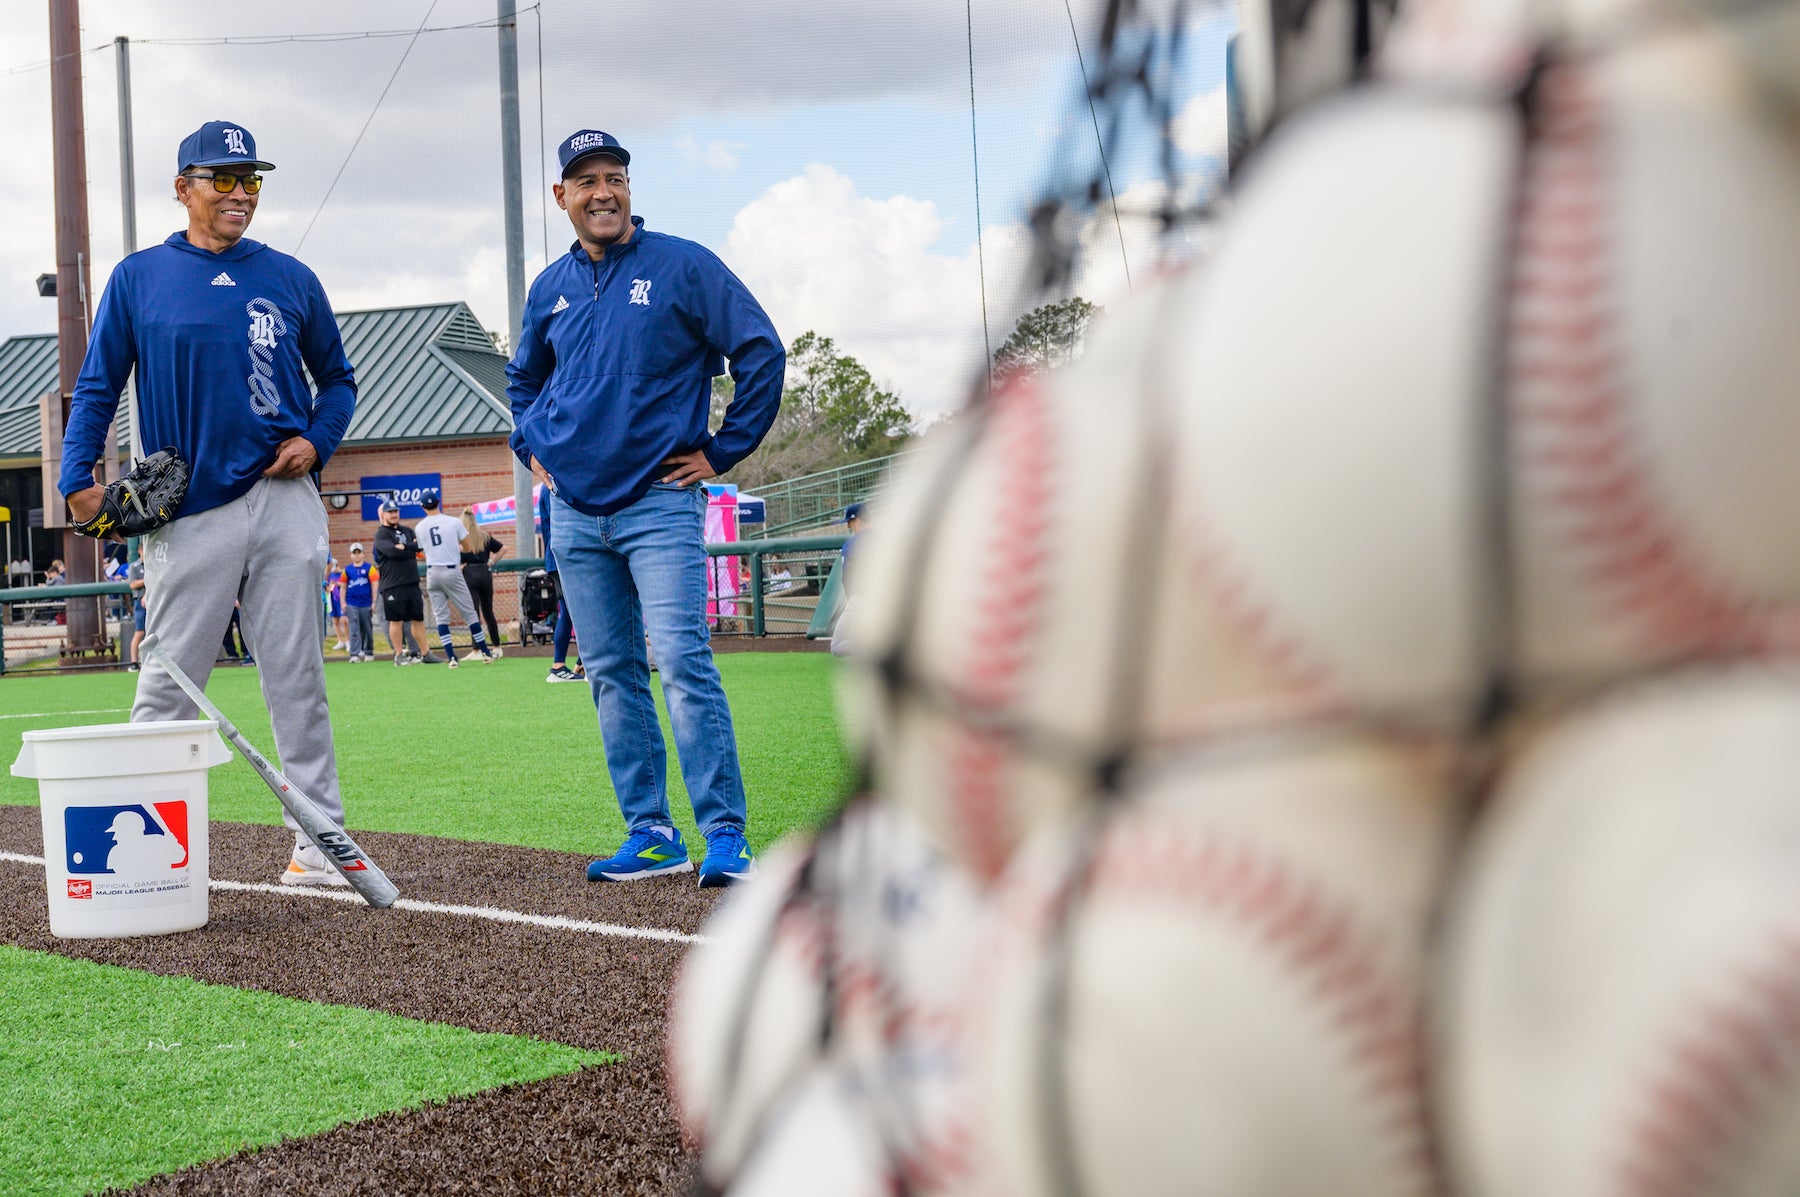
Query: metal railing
{"points": [[771, 603], [813, 500], [778, 605], [44, 596]]}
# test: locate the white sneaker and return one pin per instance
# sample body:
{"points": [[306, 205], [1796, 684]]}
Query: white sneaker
{"points": [[308, 867], [493, 654]]}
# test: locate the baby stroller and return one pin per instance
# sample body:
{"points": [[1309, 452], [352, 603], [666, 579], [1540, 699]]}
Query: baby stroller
{"points": [[538, 602]]}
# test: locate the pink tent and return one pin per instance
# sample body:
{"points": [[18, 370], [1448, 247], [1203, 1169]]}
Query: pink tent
{"points": [[721, 572]]}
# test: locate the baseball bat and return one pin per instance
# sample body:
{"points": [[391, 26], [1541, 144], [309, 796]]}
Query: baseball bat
{"points": [[351, 862]]}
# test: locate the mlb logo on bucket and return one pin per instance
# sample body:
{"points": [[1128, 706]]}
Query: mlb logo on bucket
{"points": [[133, 840], [80, 888]]}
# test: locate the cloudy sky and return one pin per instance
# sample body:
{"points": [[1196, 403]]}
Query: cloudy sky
{"points": [[822, 149]]}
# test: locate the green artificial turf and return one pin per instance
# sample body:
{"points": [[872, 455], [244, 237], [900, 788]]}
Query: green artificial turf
{"points": [[486, 752], [114, 1075]]}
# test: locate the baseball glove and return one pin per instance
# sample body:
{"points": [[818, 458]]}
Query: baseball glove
{"points": [[143, 499]]}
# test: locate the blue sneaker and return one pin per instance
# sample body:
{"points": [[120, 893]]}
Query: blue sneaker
{"points": [[652, 852], [728, 859]]}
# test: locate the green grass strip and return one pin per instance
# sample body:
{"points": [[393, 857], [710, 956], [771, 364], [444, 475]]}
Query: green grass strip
{"points": [[488, 753], [114, 1076]]}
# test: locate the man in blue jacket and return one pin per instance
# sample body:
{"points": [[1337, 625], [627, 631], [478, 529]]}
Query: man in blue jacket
{"points": [[218, 328], [610, 391]]}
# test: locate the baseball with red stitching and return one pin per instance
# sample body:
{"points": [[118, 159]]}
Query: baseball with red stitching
{"points": [[1452, 394], [824, 1139], [883, 932], [1241, 987], [743, 1015], [1647, 380], [1621, 1013], [1159, 546]]}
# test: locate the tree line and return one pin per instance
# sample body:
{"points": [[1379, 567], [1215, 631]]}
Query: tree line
{"points": [[834, 413]]}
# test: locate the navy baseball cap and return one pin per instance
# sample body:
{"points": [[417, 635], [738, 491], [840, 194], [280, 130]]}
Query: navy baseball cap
{"points": [[220, 143], [853, 512], [428, 497], [586, 144], [390, 505]]}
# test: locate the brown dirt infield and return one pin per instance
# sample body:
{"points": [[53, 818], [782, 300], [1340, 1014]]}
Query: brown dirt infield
{"points": [[601, 1130]]}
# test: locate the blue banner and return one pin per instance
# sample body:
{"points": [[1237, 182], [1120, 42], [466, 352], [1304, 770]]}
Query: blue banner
{"points": [[408, 488]]}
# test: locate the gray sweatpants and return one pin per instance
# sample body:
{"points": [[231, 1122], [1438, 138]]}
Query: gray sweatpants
{"points": [[362, 629], [449, 588], [267, 551]]}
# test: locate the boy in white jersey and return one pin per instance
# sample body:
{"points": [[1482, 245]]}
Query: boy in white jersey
{"points": [[440, 536]]}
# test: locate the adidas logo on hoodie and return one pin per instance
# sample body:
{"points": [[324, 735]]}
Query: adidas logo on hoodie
{"points": [[223, 280], [561, 304]]}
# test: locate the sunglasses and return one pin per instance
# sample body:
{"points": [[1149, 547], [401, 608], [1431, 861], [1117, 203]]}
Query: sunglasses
{"points": [[223, 183]]}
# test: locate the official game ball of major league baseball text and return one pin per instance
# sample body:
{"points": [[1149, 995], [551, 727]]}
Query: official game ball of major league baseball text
{"points": [[1620, 1013], [1528, 414]]}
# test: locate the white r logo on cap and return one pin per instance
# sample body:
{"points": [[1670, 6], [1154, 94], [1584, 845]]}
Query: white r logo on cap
{"points": [[234, 141]]}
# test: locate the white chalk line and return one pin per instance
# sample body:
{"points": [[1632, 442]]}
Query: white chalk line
{"points": [[493, 914], [58, 714]]}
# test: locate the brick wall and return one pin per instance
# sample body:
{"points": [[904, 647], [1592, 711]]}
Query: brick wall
{"points": [[474, 471]]}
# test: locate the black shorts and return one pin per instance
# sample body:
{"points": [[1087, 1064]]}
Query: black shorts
{"points": [[403, 604]]}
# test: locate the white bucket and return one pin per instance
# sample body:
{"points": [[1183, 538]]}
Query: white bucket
{"points": [[124, 812]]}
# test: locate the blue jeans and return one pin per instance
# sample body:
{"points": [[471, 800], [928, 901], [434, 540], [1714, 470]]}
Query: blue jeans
{"points": [[644, 568]]}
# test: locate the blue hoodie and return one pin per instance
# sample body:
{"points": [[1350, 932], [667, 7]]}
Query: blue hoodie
{"points": [[616, 361], [218, 340]]}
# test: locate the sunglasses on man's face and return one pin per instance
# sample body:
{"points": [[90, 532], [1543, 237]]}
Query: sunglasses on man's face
{"points": [[223, 183]]}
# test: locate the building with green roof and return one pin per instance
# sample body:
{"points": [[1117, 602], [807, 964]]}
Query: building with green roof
{"points": [[431, 403]]}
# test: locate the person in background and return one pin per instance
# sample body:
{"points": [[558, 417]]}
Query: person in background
{"points": [[479, 548], [359, 606], [440, 537], [236, 644], [56, 575], [334, 604], [841, 630], [565, 627], [397, 565], [140, 609], [115, 572]]}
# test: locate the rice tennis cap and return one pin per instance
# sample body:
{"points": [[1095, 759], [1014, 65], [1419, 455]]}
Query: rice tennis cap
{"points": [[586, 144]]}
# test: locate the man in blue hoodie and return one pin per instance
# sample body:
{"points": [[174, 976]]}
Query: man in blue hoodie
{"points": [[218, 328], [610, 391]]}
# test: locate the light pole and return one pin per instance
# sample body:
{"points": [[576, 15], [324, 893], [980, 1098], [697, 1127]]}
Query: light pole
{"points": [[73, 285]]}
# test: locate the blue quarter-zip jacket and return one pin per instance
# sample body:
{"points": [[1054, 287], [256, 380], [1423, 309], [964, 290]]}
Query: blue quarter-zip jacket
{"points": [[218, 340], [615, 366]]}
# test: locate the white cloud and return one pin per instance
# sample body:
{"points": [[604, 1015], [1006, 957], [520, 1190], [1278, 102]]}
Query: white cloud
{"points": [[1200, 127], [720, 156], [868, 274], [871, 275]]}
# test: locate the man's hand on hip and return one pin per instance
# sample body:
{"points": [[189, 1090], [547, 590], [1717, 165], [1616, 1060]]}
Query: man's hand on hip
{"points": [[294, 458], [687, 468]]}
